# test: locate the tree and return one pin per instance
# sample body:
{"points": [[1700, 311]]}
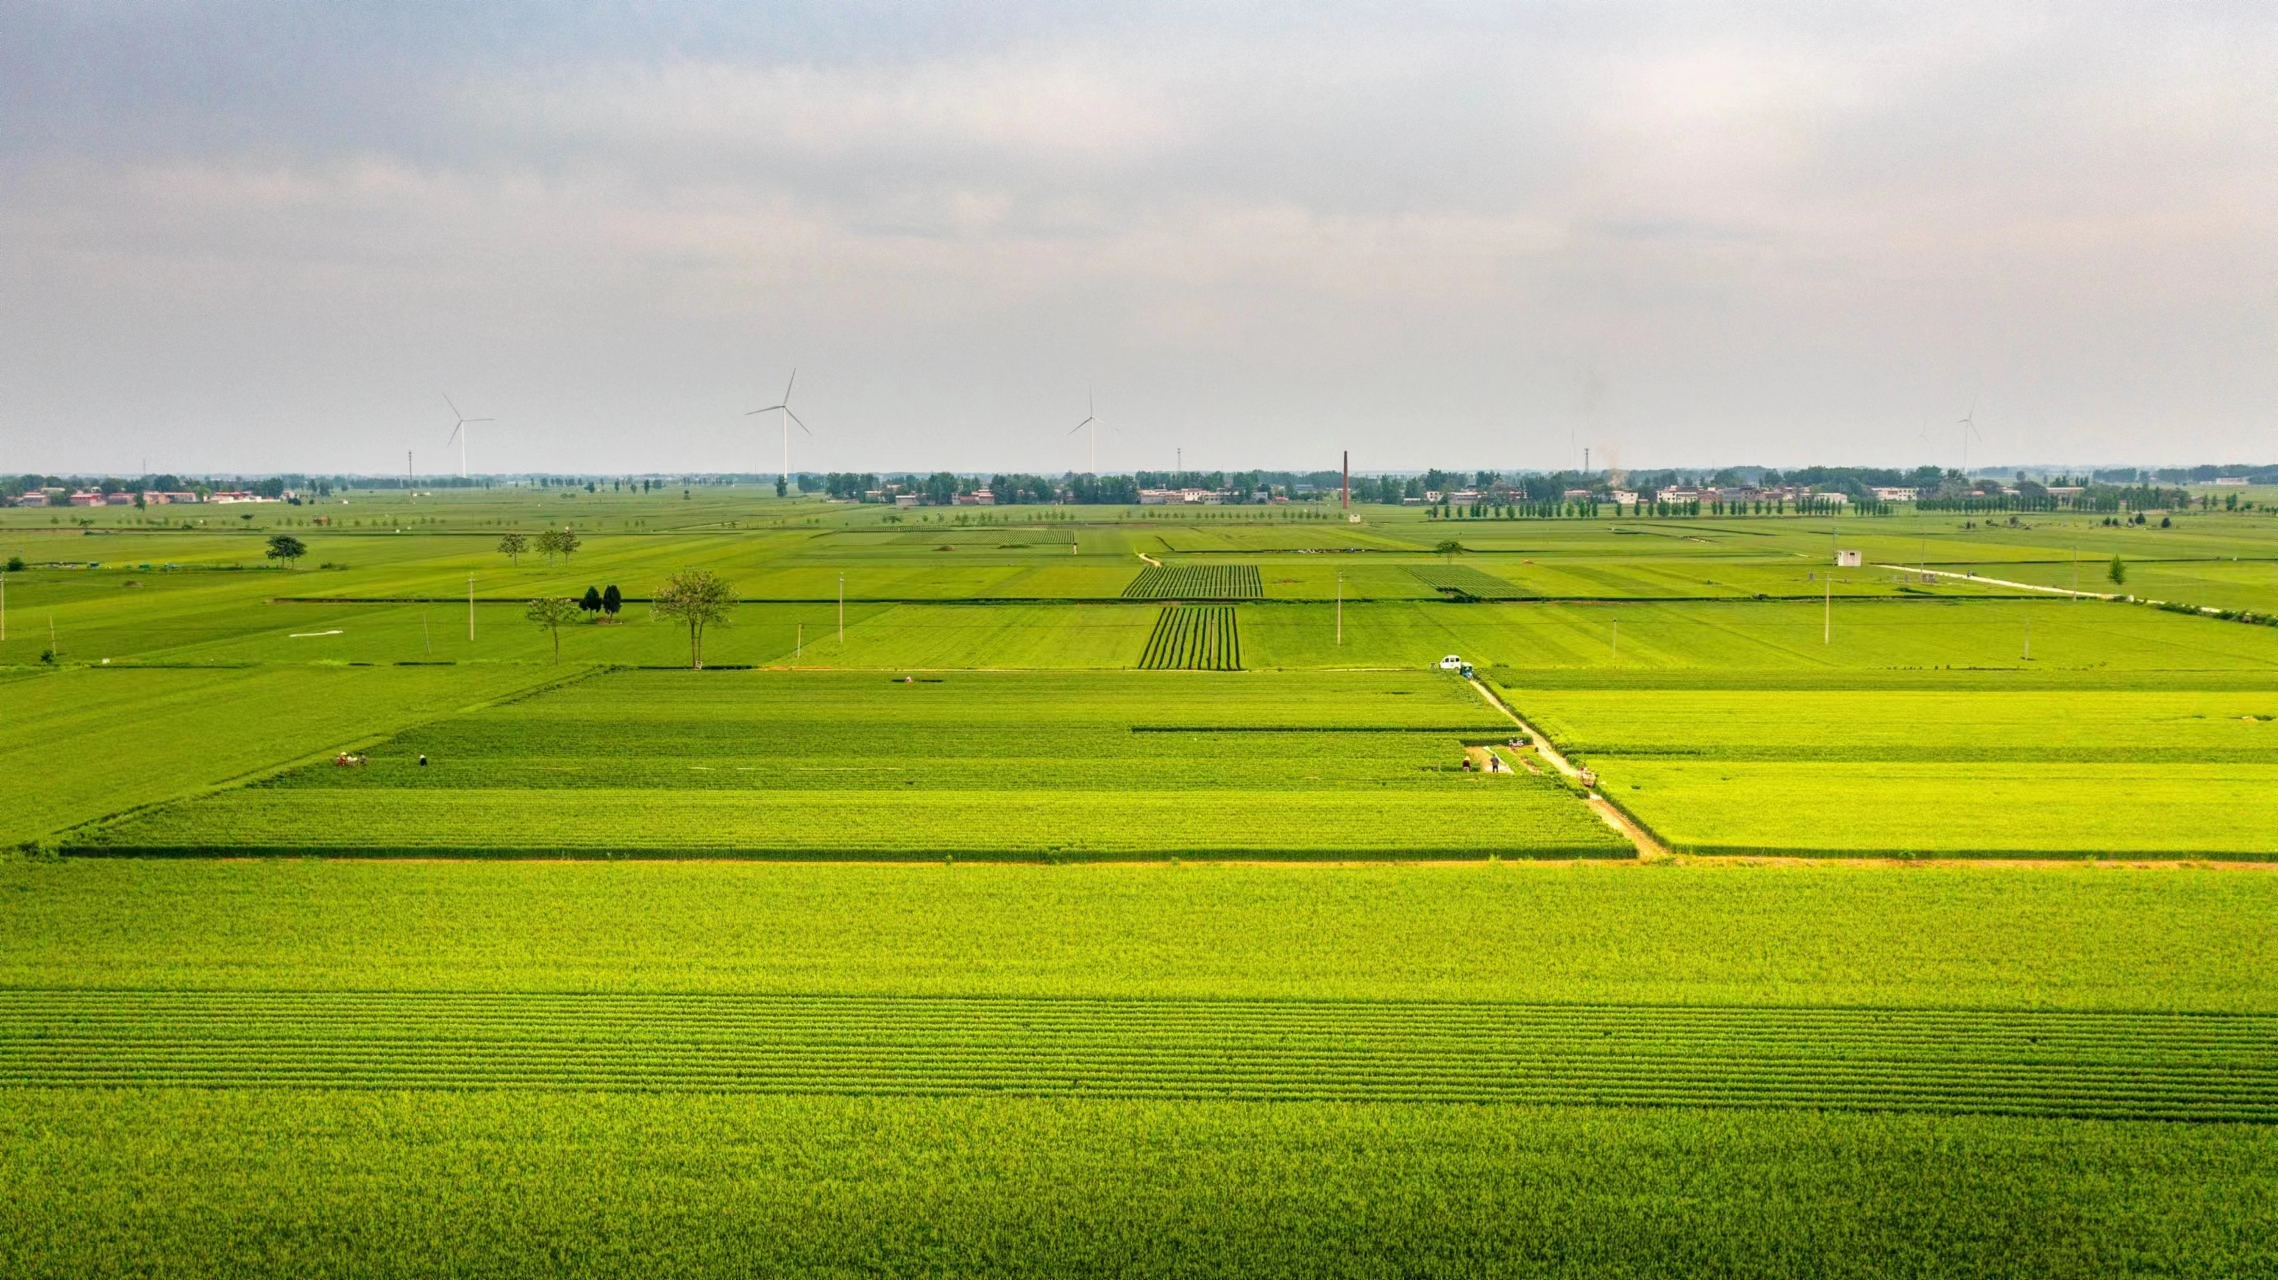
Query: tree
{"points": [[2118, 572], [286, 547], [698, 597], [557, 542], [1448, 548], [612, 600], [551, 612], [592, 601], [512, 546]]}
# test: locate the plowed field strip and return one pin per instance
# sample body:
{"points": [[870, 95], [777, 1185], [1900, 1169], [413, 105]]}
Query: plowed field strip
{"points": [[2123, 1065]]}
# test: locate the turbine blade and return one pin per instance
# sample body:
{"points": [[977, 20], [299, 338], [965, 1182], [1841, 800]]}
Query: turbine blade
{"points": [[769, 409], [795, 418], [454, 408], [788, 385]]}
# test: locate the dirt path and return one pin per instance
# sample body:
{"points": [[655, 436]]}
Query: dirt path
{"points": [[1999, 582], [1648, 848], [1151, 560]]}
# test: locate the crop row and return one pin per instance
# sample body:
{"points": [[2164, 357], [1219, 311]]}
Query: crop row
{"points": [[2134, 1065], [1514, 816], [1466, 583], [1194, 638], [1197, 582]]}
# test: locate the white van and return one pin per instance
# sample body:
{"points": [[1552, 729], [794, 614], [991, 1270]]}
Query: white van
{"points": [[1451, 663]]}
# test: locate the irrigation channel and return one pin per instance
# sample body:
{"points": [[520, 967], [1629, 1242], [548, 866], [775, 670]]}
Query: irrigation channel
{"points": [[2148, 1066]]}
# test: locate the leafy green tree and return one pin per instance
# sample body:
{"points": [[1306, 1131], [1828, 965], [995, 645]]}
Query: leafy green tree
{"points": [[1448, 548], [699, 598], [591, 603], [551, 612], [557, 542], [512, 546], [612, 600], [2117, 572], [286, 547]]}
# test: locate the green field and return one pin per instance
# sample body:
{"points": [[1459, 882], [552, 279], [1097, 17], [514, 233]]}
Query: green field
{"points": [[775, 764], [1610, 1060], [997, 904], [1194, 638]]}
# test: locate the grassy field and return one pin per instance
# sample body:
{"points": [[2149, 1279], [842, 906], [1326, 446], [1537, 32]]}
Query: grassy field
{"points": [[326, 1068], [770, 764], [933, 933]]}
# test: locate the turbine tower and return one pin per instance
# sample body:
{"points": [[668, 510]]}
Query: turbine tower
{"points": [[788, 418], [1091, 419], [1968, 423], [460, 433]]}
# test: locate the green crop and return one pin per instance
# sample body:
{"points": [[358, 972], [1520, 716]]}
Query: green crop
{"points": [[1462, 582], [826, 765], [1190, 582], [1194, 638]]}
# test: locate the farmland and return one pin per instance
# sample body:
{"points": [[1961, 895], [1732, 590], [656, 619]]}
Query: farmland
{"points": [[997, 902], [1194, 638], [1187, 582], [978, 765], [1064, 1050]]}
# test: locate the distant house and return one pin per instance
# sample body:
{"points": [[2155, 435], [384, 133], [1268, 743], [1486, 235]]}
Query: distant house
{"points": [[167, 497], [119, 499], [2228, 480], [1575, 495], [1886, 493], [1625, 497], [86, 498], [905, 499], [1157, 497], [1463, 497], [34, 499], [1675, 494], [977, 498]]}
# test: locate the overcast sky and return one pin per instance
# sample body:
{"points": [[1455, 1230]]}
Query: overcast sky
{"points": [[269, 236]]}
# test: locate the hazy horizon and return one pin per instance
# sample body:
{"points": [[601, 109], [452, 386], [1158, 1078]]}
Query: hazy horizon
{"points": [[264, 238]]}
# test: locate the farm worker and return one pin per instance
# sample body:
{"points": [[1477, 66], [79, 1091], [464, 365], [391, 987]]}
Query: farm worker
{"points": [[422, 759]]}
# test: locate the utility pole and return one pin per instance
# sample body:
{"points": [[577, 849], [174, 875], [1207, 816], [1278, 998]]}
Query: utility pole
{"points": [[470, 607], [842, 609], [799, 648], [1345, 499], [1340, 608], [407, 474], [1585, 460], [3, 604]]}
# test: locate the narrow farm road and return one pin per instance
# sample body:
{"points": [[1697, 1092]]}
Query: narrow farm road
{"points": [[1999, 582], [1647, 846], [1151, 560]]}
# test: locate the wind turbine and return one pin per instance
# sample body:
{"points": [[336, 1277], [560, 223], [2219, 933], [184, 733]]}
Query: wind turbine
{"points": [[1968, 423], [788, 418], [1091, 419], [460, 433]]}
